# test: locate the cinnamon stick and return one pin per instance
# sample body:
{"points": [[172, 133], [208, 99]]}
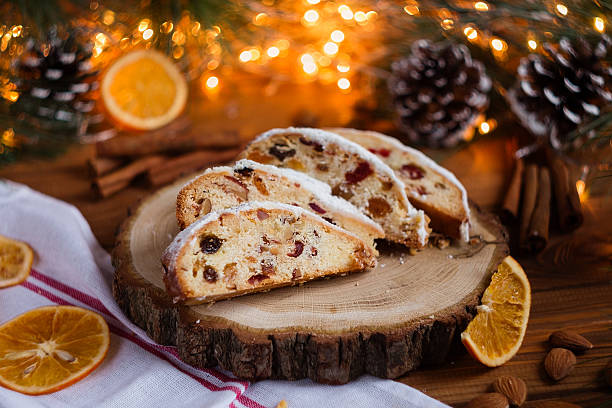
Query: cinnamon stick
{"points": [[98, 166], [161, 141], [119, 179], [510, 206], [569, 209], [530, 193], [540, 220], [173, 168]]}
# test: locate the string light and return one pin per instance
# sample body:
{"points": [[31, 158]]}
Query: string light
{"points": [[313, 2], [498, 44], [345, 12], [344, 83], [487, 126], [411, 10], [148, 33], [337, 36], [310, 68], [447, 23], [311, 16], [245, 56], [360, 17], [330, 48], [212, 82], [470, 33], [581, 189], [481, 6], [17, 30], [166, 27], [532, 44], [599, 25], [343, 68], [108, 17], [273, 52], [260, 19], [562, 9], [144, 24]]}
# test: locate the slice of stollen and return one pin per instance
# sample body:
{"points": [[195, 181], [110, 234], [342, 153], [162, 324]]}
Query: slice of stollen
{"points": [[429, 186], [354, 174], [223, 187], [258, 246]]}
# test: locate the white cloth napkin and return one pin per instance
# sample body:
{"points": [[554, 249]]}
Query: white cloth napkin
{"points": [[71, 268]]}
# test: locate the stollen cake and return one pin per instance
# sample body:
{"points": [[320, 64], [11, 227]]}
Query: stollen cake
{"points": [[429, 186], [257, 246], [353, 173], [223, 187]]}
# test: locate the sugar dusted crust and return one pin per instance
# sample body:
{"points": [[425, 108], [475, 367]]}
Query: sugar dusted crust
{"points": [[454, 221], [224, 187], [258, 246], [346, 167]]}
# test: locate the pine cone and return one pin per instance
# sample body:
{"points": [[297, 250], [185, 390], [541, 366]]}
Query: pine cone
{"points": [[561, 89], [438, 93], [55, 80]]}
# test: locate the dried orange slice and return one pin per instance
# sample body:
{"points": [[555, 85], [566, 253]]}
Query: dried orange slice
{"points": [[15, 261], [144, 90], [497, 331], [50, 348]]}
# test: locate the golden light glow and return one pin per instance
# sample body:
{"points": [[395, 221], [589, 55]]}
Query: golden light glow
{"points": [[144, 24], [330, 48], [344, 83], [306, 59], [273, 52], [245, 56], [255, 54], [17, 30], [178, 38], [166, 27], [498, 44], [148, 33], [283, 44], [260, 19], [345, 12], [581, 189], [337, 36], [108, 17], [310, 68], [212, 64], [532, 44], [484, 128], [481, 6], [562, 9], [371, 15], [447, 23], [360, 17], [178, 52], [470, 33], [311, 16], [599, 25], [313, 2], [343, 68], [8, 138], [212, 82], [100, 39], [411, 10], [195, 30]]}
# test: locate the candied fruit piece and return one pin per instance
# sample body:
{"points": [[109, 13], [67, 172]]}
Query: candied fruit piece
{"points": [[260, 157], [210, 274], [360, 173], [262, 215], [297, 251], [267, 268], [257, 278], [343, 190], [229, 275], [315, 207], [413, 171], [210, 244], [378, 207], [296, 274], [421, 190], [381, 152], [322, 167], [281, 151], [313, 251], [260, 185]]}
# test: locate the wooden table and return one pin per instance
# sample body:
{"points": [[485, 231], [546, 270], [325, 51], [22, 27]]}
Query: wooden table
{"points": [[575, 292]]}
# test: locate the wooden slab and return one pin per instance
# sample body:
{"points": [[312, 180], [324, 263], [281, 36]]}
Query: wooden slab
{"points": [[385, 322]]}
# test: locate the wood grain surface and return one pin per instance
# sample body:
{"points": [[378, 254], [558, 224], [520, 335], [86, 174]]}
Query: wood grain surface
{"points": [[571, 280]]}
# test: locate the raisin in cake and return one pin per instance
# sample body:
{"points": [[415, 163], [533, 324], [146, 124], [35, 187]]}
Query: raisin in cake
{"points": [[225, 187], [429, 186], [354, 174], [258, 246]]}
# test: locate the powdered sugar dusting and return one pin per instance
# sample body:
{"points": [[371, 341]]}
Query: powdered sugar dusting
{"points": [[320, 190], [426, 160], [324, 138]]}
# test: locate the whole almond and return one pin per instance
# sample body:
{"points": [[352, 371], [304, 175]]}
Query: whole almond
{"points": [[608, 373], [513, 388], [559, 363], [489, 400], [570, 340]]}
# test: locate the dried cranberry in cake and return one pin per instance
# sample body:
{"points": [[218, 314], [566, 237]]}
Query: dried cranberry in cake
{"points": [[381, 152], [242, 266], [210, 244], [258, 278], [413, 171], [316, 208], [210, 274], [262, 215], [362, 171], [281, 152], [297, 251]]}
